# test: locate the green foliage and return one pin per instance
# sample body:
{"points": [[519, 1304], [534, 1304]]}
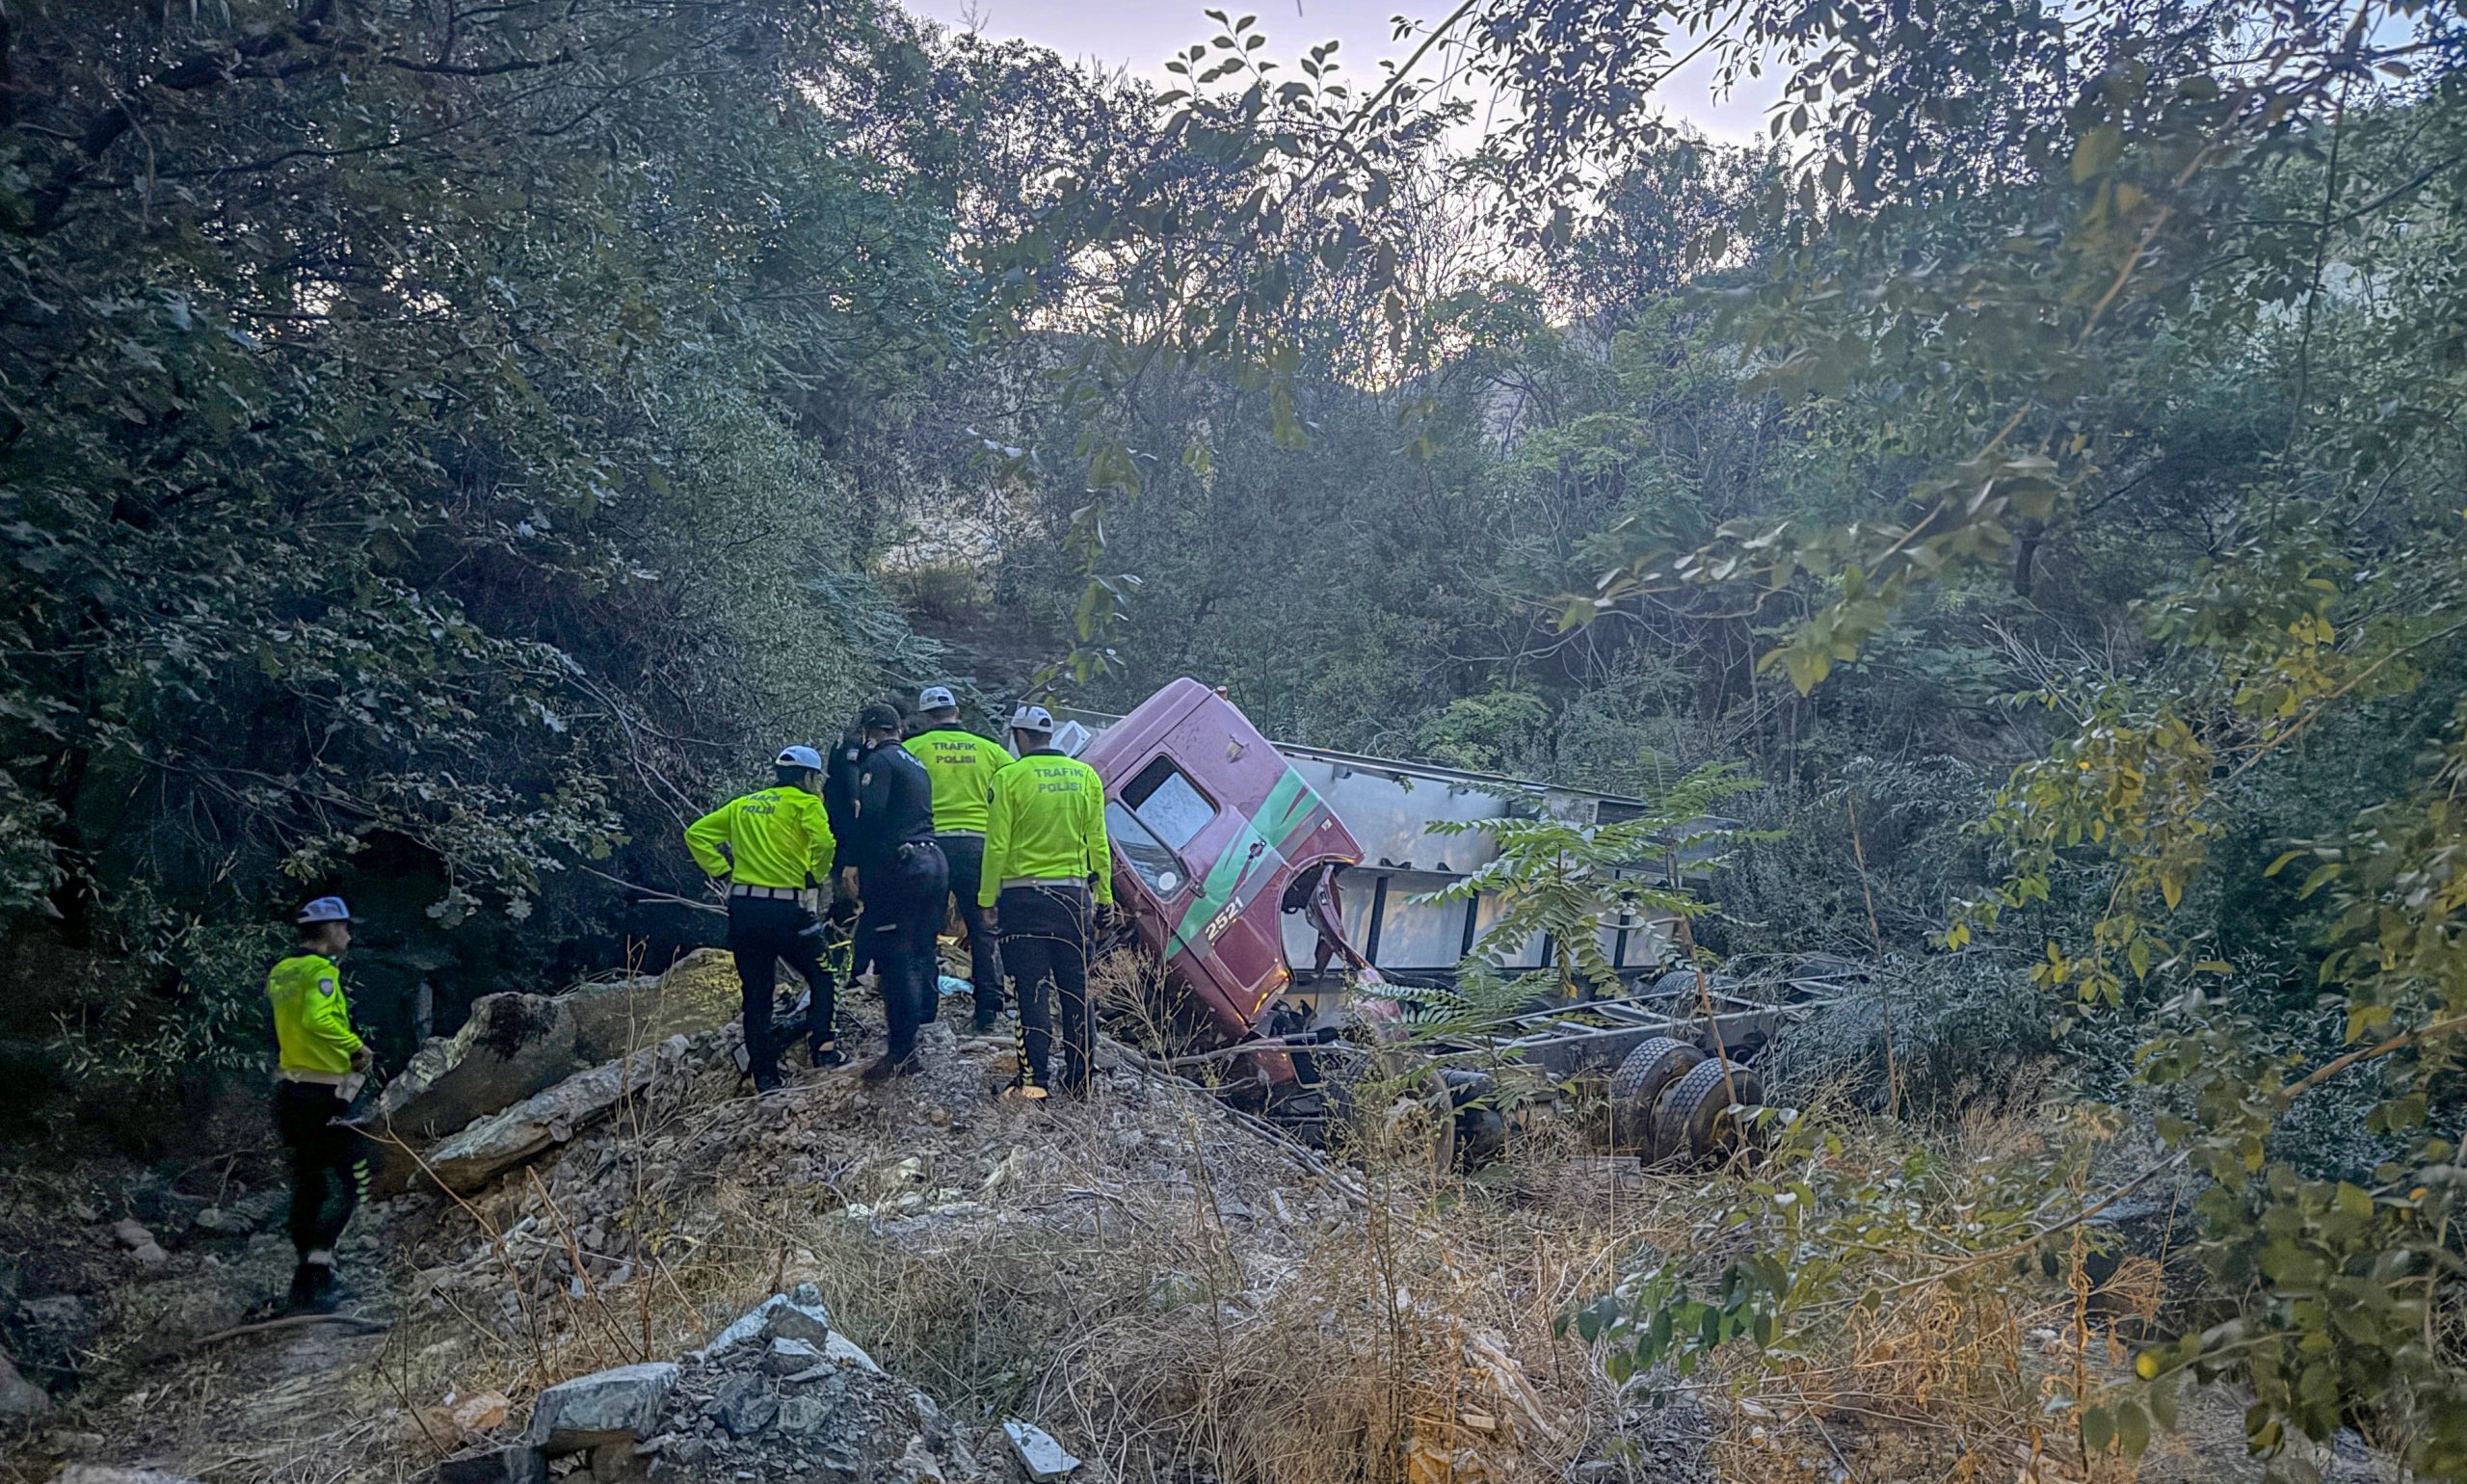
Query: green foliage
{"points": [[1563, 880], [337, 551]]}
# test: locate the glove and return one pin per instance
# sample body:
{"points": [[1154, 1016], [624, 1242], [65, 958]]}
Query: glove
{"points": [[362, 1059], [992, 922]]}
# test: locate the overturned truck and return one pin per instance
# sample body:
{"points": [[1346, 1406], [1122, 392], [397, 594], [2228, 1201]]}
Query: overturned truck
{"points": [[1233, 858]]}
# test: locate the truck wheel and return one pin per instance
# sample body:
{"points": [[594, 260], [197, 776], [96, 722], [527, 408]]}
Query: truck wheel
{"points": [[1689, 1123], [1651, 1066], [1479, 1133]]}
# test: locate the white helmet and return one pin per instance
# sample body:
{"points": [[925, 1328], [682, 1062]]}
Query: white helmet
{"points": [[935, 698], [1032, 718], [805, 758]]}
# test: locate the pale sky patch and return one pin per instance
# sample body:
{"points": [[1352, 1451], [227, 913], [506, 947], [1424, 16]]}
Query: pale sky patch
{"points": [[1139, 36]]}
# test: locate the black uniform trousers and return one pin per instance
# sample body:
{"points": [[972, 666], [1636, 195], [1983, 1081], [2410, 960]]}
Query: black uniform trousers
{"points": [[967, 855], [905, 899], [761, 932], [1046, 929], [330, 1163]]}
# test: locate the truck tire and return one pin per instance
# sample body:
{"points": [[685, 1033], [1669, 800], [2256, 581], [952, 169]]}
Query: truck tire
{"points": [[1651, 1066], [1673, 984], [1479, 1132], [1688, 1121]]}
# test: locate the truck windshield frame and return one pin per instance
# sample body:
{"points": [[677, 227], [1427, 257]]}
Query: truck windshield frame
{"points": [[1166, 800]]}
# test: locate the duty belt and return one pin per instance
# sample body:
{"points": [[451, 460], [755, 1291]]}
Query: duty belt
{"points": [[769, 893], [1045, 882]]}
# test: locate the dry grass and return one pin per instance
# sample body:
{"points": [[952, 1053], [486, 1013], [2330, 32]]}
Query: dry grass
{"points": [[1176, 1292]]}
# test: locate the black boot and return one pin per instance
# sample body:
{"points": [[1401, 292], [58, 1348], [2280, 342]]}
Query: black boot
{"points": [[824, 1053], [313, 1290], [891, 1067]]}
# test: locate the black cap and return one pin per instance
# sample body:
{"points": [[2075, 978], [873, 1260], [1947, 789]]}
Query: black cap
{"points": [[879, 716]]}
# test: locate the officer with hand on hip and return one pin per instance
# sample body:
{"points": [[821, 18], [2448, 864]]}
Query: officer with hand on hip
{"points": [[771, 848], [902, 876]]}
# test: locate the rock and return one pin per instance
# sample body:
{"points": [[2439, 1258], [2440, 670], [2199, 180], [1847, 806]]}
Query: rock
{"points": [[616, 1463], [622, 1404], [62, 1313], [216, 1221], [840, 1348], [918, 1465], [797, 1314], [150, 1255], [699, 993], [747, 1406], [837, 1352], [481, 1412], [1039, 1454], [19, 1396], [518, 1464], [472, 1157], [800, 1414], [131, 1235], [512, 1046], [789, 1355]]}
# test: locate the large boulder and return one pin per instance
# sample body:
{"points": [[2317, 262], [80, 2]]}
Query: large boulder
{"points": [[612, 1406], [512, 1046], [472, 1157], [699, 993]]}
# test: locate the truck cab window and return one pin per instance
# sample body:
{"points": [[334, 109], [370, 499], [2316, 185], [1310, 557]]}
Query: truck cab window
{"points": [[1167, 803], [1159, 867]]}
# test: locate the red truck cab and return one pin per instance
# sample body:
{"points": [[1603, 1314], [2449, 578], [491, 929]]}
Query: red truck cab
{"points": [[1212, 830]]}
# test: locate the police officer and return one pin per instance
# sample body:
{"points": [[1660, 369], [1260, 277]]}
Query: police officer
{"points": [[840, 802], [961, 767], [904, 881], [771, 848], [322, 1064], [1047, 869]]}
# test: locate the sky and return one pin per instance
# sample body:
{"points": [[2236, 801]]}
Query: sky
{"points": [[1140, 35]]}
